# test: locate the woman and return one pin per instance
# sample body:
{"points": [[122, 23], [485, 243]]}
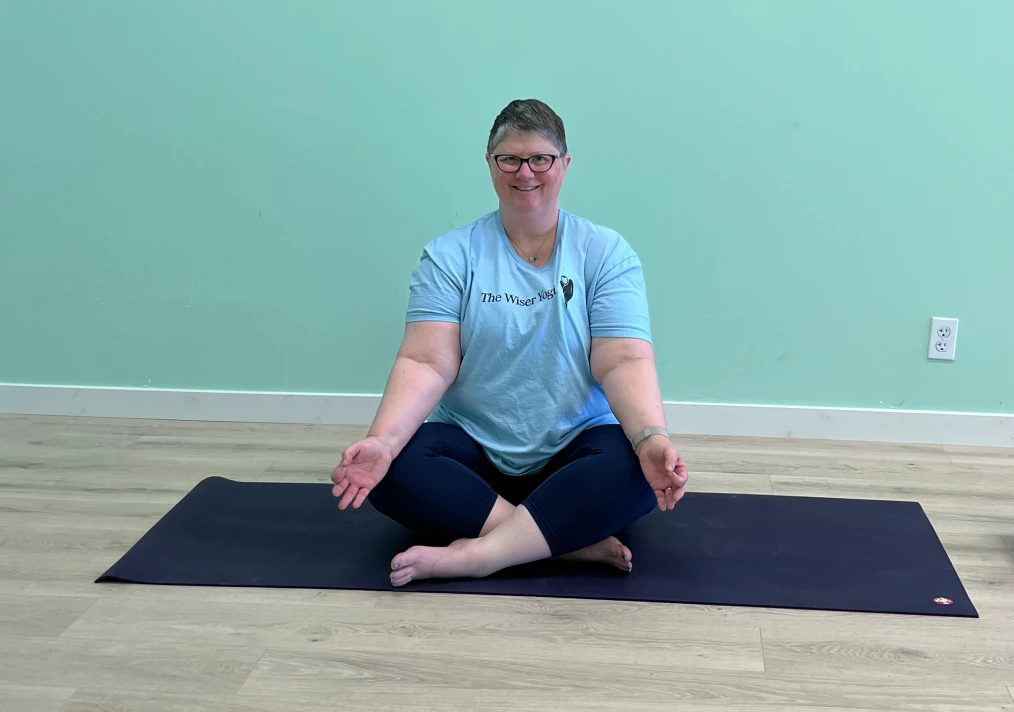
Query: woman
{"points": [[522, 418]]}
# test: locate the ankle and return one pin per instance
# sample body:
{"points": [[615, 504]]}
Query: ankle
{"points": [[480, 557]]}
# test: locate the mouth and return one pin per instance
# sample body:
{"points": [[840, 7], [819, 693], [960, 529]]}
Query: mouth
{"points": [[526, 188]]}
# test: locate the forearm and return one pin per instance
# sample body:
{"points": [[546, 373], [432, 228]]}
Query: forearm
{"points": [[413, 390], [632, 390]]}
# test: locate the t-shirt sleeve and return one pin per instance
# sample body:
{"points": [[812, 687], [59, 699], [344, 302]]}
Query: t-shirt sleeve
{"points": [[618, 302], [436, 286]]}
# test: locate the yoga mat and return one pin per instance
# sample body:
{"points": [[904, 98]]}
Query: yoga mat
{"points": [[718, 549]]}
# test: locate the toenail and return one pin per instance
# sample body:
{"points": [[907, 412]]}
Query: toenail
{"points": [[398, 565]]}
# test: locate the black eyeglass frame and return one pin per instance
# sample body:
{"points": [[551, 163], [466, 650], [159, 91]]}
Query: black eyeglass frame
{"points": [[552, 163]]}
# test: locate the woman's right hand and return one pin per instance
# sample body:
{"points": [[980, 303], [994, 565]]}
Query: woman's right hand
{"points": [[363, 465]]}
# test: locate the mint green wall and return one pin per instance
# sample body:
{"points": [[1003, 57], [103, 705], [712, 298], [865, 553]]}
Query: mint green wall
{"points": [[231, 195]]}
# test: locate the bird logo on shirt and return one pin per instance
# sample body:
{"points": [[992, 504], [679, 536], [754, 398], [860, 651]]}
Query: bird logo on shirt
{"points": [[567, 285]]}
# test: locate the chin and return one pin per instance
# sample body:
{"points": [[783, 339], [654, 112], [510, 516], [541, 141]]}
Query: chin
{"points": [[527, 202]]}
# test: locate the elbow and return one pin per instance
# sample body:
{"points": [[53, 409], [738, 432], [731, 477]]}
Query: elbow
{"points": [[618, 355], [445, 368], [603, 370], [449, 372]]}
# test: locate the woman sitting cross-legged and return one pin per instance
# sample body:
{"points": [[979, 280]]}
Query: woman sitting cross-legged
{"points": [[522, 419]]}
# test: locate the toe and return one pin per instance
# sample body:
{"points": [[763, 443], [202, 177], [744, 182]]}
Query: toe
{"points": [[625, 558], [405, 558], [402, 576]]}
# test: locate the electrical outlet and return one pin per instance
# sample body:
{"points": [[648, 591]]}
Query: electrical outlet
{"points": [[943, 339]]}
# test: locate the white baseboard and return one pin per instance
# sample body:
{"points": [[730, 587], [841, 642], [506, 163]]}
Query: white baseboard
{"points": [[856, 424], [869, 425]]}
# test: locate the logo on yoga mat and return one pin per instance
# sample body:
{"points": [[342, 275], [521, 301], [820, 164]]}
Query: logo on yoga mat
{"points": [[943, 601]]}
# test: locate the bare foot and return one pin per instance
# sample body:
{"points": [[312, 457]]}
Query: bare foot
{"points": [[608, 551], [422, 562]]}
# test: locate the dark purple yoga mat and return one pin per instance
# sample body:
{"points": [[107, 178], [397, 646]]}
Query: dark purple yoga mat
{"points": [[718, 549]]}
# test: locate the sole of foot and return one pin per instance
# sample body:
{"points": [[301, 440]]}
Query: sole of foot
{"points": [[423, 562], [457, 560], [608, 551]]}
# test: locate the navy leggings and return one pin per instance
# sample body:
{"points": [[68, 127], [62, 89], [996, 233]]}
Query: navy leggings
{"points": [[443, 487]]}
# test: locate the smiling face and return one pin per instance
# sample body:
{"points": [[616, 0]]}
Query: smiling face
{"points": [[528, 191]]}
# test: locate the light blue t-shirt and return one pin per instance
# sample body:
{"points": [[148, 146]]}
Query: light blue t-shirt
{"points": [[524, 388]]}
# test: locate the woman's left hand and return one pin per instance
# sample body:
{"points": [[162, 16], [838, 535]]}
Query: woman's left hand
{"points": [[664, 469]]}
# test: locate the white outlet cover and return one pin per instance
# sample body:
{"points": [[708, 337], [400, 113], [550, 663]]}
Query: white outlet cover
{"points": [[943, 339]]}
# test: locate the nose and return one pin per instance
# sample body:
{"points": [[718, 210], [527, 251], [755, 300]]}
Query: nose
{"points": [[525, 171]]}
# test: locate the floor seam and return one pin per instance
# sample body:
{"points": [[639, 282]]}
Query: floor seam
{"points": [[950, 460], [239, 690]]}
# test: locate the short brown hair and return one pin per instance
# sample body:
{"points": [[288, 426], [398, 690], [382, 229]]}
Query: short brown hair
{"points": [[528, 116]]}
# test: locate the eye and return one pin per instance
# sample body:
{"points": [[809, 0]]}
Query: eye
{"points": [[541, 160], [509, 161]]}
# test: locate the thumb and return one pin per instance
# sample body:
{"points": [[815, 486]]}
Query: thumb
{"points": [[670, 461], [350, 453]]}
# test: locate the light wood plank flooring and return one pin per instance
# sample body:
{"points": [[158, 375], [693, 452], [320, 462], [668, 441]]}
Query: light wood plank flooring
{"points": [[75, 493]]}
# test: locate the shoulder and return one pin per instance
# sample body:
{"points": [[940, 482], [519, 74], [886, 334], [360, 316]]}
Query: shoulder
{"points": [[459, 242], [601, 246], [454, 252]]}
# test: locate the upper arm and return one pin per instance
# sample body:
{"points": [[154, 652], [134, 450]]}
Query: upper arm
{"points": [[617, 299], [608, 352], [437, 284], [434, 343], [436, 289]]}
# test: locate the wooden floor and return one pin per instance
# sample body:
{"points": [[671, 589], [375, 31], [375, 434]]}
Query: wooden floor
{"points": [[75, 494]]}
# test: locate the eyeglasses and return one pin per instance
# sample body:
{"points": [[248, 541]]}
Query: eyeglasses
{"points": [[539, 163]]}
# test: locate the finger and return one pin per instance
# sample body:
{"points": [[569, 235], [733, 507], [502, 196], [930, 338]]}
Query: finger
{"points": [[672, 459], [349, 455], [669, 502], [680, 476], [660, 496], [350, 494], [360, 498], [339, 488], [678, 495]]}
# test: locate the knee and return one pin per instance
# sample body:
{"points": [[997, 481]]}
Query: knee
{"points": [[618, 458], [409, 473], [613, 451], [394, 486], [382, 496]]}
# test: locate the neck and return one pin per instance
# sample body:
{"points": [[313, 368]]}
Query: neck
{"points": [[529, 228]]}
